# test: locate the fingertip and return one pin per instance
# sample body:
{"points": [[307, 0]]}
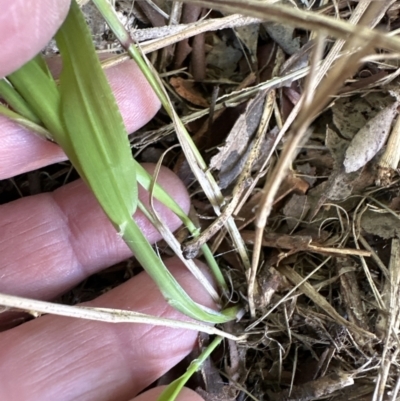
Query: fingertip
{"points": [[136, 99], [153, 394], [25, 28]]}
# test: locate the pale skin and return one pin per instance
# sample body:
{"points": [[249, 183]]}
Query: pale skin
{"points": [[51, 242]]}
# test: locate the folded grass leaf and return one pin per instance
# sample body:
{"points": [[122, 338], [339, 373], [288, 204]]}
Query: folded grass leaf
{"points": [[97, 142], [41, 93], [16, 101]]}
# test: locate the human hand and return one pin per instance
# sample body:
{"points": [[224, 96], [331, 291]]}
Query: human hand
{"points": [[52, 241]]}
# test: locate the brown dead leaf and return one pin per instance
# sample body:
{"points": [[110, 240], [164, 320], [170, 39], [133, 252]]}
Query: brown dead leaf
{"points": [[284, 36], [295, 210], [248, 35], [385, 225], [232, 156], [223, 57], [185, 89], [370, 139]]}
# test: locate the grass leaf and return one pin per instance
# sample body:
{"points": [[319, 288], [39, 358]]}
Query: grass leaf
{"points": [[174, 388], [96, 131]]}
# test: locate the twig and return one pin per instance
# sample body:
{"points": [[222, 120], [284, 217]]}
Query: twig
{"points": [[171, 34], [104, 315]]}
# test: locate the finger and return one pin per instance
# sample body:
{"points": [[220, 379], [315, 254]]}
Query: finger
{"points": [[153, 394], [70, 359], [63, 237], [21, 151], [25, 28]]}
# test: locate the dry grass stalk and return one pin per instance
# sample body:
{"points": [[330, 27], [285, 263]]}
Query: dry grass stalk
{"points": [[308, 20], [161, 37], [322, 303], [38, 308], [193, 246], [389, 161], [391, 350]]}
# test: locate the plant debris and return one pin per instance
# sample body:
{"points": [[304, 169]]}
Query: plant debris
{"points": [[322, 312]]}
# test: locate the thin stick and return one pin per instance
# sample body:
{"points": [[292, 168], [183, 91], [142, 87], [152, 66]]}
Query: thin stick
{"points": [[105, 315], [169, 35]]}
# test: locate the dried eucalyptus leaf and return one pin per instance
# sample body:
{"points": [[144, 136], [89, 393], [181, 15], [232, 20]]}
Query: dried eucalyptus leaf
{"points": [[232, 156], [248, 35], [350, 114], [284, 36], [369, 139]]}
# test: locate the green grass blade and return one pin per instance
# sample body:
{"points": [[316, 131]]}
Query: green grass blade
{"points": [[17, 102], [98, 143], [196, 161], [145, 179], [173, 389], [40, 92], [170, 288]]}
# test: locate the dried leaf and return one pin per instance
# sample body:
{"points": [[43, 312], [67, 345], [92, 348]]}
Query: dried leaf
{"points": [[248, 35], [382, 224], [231, 157], [283, 35], [296, 209], [224, 57], [186, 89], [369, 139]]}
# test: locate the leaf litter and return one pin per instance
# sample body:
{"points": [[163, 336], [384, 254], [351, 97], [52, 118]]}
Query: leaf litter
{"points": [[326, 289]]}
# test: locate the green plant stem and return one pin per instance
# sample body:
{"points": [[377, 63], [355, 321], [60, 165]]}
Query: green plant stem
{"points": [[175, 295], [28, 124], [173, 389]]}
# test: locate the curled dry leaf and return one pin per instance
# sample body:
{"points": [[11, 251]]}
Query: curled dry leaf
{"points": [[248, 35], [232, 156], [222, 58], [186, 89], [370, 139]]}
